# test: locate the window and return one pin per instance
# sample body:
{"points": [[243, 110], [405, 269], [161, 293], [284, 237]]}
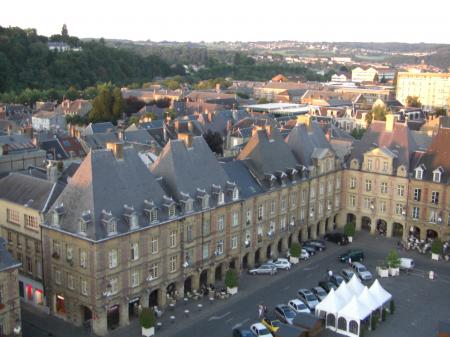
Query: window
{"points": [[235, 221], [30, 222], [70, 282], [330, 186], [272, 206], [84, 287], [248, 217], [112, 227], [10, 240], [321, 188], [368, 185], [173, 263], [134, 278], [134, 251], [293, 200], [112, 258], [302, 214], [19, 241], [37, 247], [400, 190], [171, 211], [399, 209], [235, 193], [435, 197], [304, 196], [220, 223], [320, 208], [260, 212], [219, 247], [154, 245], [57, 276], [189, 233], [173, 239], [12, 216], [311, 212], [69, 253], [352, 200], [206, 228], [221, 198], [56, 249], [369, 164], [205, 251], [433, 216], [234, 241], [283, 223], [153, 215], [437, 176], [383, 206], [29, 265], [312, 194], [83, 259], [385, 167], [154, 271], [419, 173], [384, 188], [188, 206], [39, 268], [417, 194], [83, 227], [352, 183], [415, 213], [114, 285], [283, 203], [338, 183], [205, 202], [337, 201], [367, 203]]}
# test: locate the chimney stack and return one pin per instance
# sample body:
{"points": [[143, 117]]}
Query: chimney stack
{"points": [[390, 122], [186, 138], [117, 149], [52, 172]]}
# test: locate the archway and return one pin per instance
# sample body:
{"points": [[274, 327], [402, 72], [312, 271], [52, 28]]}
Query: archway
{"points": [[86, 315], [204, 278], [171, 290], [232, 264], [300, 235], [351, 218], [245, 261], [280, 246], [218, 273], [269, 252], [335, 221], [431, 234], [414, 231], [381, 227], [397, 230], [133, 308], [153, 298], [327, 221], [366, 223], [257, 258], [113, 317], [309, 233], [318, 229], [290, 240], [187, 285]]}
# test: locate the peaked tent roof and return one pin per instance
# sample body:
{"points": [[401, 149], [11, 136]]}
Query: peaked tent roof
{"points": [[332, 303], [369, 300], [355, 285], [343, 292], [355, 309], [379, 293]]}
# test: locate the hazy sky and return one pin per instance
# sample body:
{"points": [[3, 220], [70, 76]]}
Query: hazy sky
{"points": [[232, 20]]}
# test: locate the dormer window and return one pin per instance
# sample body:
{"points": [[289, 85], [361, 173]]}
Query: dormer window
{"points": [[57, 214], [203, 197], [171, 211], [205, 202], [83, 227], [221, 198], [131, 217], [187, 202], [419, 173], [84, 222], [369, 164], [188, 206], [110, 222], [437, 174], [235, 193], [153, 215], [151, 210]]}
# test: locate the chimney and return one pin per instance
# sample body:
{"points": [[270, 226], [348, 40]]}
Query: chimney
{"points": [[390, 122], [186, 138], [52, 172], [304, 119], [117, 149]]}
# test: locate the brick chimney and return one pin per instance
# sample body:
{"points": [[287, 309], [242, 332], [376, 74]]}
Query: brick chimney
{"points": [[117, 149], [186, 138], [390, 122]]}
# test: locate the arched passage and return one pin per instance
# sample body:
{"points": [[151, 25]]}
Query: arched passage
{"points": [[414, 231], [351, 218], [381, 227], [269, 252], [188, 285], [257, 257], [153, 298], [366, 223], [397, 229], [86, 314], [327, 221], [171, 290], [218, 273], [204, 278], [431, 234], [245, 261], [290, 240], [280, 246], [232, 264]]}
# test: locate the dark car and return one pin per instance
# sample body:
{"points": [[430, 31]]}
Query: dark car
{"points": [[347, 274], [319, 244], [310, 248], [352, 255], [242, 333], [336, 237], [327, 285], [336, 279]]}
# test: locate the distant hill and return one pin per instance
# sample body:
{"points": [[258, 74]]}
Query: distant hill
{"points": [[27, 62]]}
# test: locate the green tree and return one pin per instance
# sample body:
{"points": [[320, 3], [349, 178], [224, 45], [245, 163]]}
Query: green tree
{"points": [[358, 133], [147, 318], [64, 33], [440, 112], [72, 93], [413, 102], [296, 249], [215, 141], [231, 278], [393, 260], [133, 120], [102, 106], [117, 104], [379, 113], [369, 117]]}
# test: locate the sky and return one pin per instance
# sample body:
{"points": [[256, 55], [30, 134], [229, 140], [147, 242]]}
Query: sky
{"points": [[236, 20]]}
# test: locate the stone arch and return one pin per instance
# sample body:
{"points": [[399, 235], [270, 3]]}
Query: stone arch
{"points": [[280, 246], [431, 234], [290, 240], [245, 261], [204, 278], [188, 285], [218, 272], [257, 256], [381, 227], [269, 253], [153, 298], [351, 218], [397, 230], [366, 223]]}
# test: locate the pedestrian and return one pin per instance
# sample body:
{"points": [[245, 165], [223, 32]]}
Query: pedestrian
{"points": [[260, 311], [350, 261], [265, 309], [330, 273]]}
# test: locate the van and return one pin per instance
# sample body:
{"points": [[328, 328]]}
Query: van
{"points": [[406, 263], [353, 255]]}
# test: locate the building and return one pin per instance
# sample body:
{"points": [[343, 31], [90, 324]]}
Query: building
{"points": [[80, 107], [17, 152], [360, 75], [340, 77], [432, 89], [48, 120], [10, 321]]}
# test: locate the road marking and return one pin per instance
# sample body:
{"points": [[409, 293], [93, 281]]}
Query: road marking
{"points": [[238, 325], [312, 268], [229, 320], [286, 288], [212, 318]]}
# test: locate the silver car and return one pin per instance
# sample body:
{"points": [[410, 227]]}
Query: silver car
{"points": [[319, 292], [269, 269], [308, 297], [361, 271]]}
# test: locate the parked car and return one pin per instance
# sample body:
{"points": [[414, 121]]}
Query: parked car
{"points": [[361, 271], [304, 255], [347, 274], [336, 279], [308, 297], [284, 313], [336, 237], [260, 330], [406, 263], [319, 292], [327, 285], [242, 333], [264, 269], [281, 263], [353, 254], [298, 306], [321, 246], [271, 323], [310, 249]]}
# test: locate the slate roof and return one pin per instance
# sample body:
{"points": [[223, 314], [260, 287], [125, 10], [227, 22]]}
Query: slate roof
{"points": [[7, 261], [54, 149], [36, 193], [134, 134], [240, 174], [400, 141], [186, 170], [98, 128], [99, 140], [17, 143], [103, 182]]}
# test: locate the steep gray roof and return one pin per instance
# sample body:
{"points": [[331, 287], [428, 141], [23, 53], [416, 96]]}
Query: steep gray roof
{"points": [[240, 174], [36, 193], [185, 170], [134, 134], [304, 143], [103, 182], [7, 261], [102, 127]]}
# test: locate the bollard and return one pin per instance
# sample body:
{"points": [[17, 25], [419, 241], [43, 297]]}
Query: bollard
{"points": [[185, 301], [200, 306], [158, 326], [172, 319], [186, 313]]}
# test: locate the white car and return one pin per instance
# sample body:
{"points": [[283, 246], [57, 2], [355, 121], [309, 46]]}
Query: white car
{"points": [[260, 330], [304, 255], [363, 273], [282, 263], [298, 306]]}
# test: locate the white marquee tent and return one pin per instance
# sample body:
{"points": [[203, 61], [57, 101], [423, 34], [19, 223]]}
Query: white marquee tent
{"points": [[379, 293], [355, 285], [368, 300], [343, 292], [329, 308], [351, 316]]}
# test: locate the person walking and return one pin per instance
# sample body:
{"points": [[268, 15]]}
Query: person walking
{"points": [[330, 273], [260, 311]]}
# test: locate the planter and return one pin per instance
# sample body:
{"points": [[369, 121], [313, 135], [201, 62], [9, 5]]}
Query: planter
{"points": [[350, 239], [293, 260], [232, 291], [148, 332], [435, 256], [394, 271], [383, 272]]}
